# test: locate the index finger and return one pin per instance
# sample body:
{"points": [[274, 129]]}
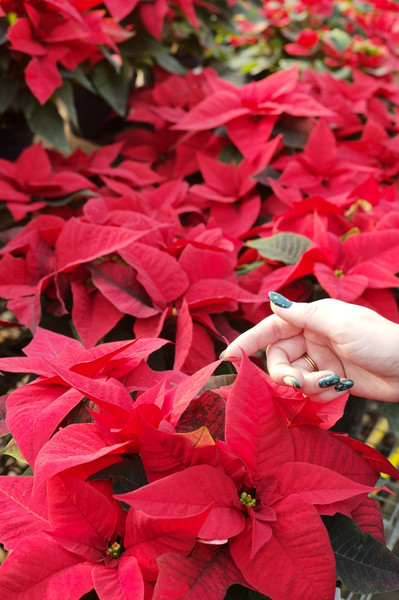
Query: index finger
{"points": [[269, 331]]}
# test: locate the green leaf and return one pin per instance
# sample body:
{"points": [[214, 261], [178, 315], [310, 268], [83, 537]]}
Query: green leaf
{"points": [[47, 122], [12, 450], [143, 46], [339, 38], [113, 87], [245, 269], [282, 247], [169, 63], [364, 564], [8, 90], [239, 592], [127, 476]]}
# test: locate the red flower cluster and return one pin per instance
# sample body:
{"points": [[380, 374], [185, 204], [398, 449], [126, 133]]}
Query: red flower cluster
{"points": [[173, 233], [240, 502]]}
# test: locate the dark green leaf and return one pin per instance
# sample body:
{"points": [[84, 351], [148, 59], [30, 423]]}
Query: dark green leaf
{"points": [[282, 247], [127, 476], [239, 592], [169, 63], [112, 86], [364, 564], [28, 472], [47, 122], [8, 90]]}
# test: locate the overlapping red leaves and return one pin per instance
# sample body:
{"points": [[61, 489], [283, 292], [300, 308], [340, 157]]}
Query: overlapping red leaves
{"points": [[153, 252]]}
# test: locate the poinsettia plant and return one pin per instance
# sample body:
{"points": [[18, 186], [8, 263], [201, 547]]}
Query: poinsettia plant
{"points": [[67, 53], [152, 484], [130, 266]]}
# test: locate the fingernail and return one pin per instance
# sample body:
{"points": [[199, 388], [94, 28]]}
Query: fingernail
{"points": [[344, 385], [328, 381], [292, 381], [224, 356], [279, 300]]}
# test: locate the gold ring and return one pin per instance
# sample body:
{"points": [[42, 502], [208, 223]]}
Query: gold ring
{"points": [[310, 361]]}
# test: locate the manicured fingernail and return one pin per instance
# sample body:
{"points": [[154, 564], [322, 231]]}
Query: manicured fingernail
{"points": [[279, 300], [344, 385], [328, 381], [292, 381]]}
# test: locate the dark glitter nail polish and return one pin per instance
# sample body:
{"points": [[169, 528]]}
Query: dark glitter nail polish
{"points": [[344, 385], [295, 383], [279, 300], [328, 381]]}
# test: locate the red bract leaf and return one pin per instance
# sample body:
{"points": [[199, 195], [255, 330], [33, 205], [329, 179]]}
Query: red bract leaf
{"points": [[77, 445], [122, 583], [297, 562], [120, 9], [147, 538], [317, 485], [187, 390], [369, 518], [35, 411], [25, 575], [81, 242], [188, 492], [210, 292], [255, 429], [42, 77], [319, 447], [166, 453], [207, 568], [82, 519], [109, 394], [221, 107], [251, 135], [92, 314], [21, 515], [184, 335], [158, 272], [118, 283], [375, 459]]}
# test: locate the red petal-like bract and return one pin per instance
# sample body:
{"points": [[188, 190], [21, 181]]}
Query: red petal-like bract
{"points": [[46, 567], [255, 429], [22, 515], [209, 571], [297, 557], [122, 583]]}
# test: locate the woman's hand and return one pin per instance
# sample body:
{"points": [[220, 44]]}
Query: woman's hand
{"points": [[351, 346]]}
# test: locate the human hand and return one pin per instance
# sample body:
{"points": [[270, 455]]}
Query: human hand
{"points": [[351, 346]]}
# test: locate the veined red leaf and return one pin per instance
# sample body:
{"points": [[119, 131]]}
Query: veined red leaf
{"points": [[125, 582], [22, 515], [189, 492], [255, 429], [182, 578], [25, 575], [297, 562]]}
